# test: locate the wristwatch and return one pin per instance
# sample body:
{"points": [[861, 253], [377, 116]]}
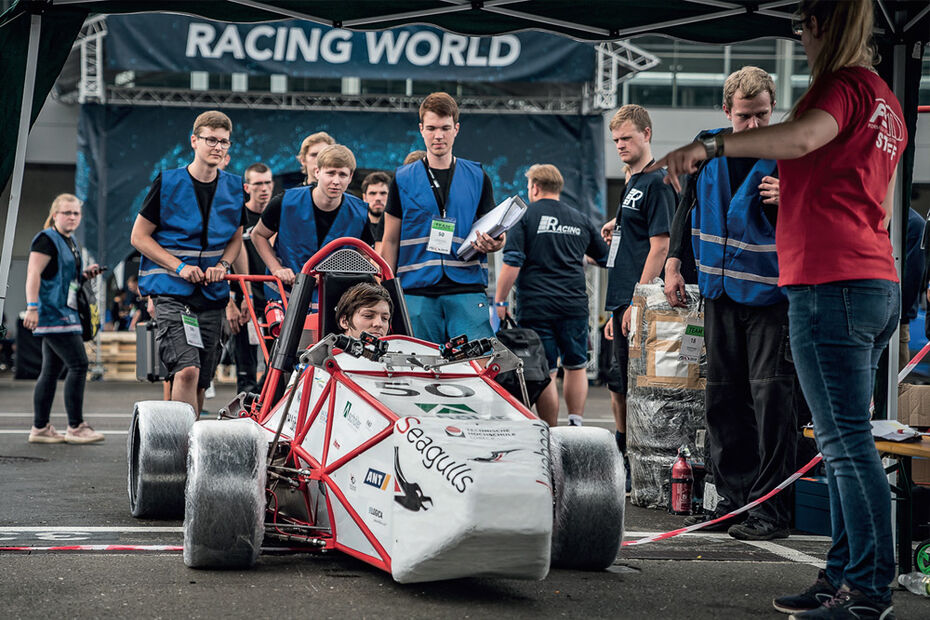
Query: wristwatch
{"points": [[713, 146], [226, 265]]}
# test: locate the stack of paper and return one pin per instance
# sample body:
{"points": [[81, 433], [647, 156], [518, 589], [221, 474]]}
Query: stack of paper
{"points": [[501, 219]]}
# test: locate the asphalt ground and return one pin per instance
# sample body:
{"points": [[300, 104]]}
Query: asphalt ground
{"points": [[54, 495]]}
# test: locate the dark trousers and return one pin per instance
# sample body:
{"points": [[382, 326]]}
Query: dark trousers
{"points": [[61, 351], [246, 357], [750, 406]]}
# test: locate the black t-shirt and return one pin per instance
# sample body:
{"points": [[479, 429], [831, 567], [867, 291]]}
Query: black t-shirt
{"points": [[548, 245], [256, 264], [377, 229], [446, 286], [44, 245], [271, 218], [151, 210], [646, 211]]}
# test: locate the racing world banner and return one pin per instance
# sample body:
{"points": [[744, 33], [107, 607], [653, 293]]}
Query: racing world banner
{"points": [[166, 42], [122, 148]]}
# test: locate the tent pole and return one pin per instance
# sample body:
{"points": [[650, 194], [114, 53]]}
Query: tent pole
{"points": [[898, 221], [16, 182]]}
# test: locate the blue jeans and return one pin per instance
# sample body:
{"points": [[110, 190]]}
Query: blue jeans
{"points": [[439, 319], [838, 332]]}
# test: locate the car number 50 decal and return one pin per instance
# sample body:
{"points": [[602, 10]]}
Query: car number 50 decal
{"points": [[445, 390]]}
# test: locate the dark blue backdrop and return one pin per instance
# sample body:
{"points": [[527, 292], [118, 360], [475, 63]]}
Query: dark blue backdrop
{"points": [[169, 42], [122, 148]]}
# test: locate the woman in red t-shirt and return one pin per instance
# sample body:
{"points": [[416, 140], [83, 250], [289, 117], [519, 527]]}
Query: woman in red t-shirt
{"points": [[836, 160]]}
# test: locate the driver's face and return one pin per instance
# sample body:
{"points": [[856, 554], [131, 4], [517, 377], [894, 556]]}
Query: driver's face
{"points": [[372, 319]]}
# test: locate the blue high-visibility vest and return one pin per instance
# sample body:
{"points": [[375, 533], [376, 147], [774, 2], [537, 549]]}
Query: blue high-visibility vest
{"points": [[417, 267], [180, 232], [55, 317], [297, 239], [733, 241]]}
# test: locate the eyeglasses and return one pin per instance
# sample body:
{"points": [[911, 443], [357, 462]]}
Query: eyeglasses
{"points": [[213, 142], [798, 23], [70, 213]]}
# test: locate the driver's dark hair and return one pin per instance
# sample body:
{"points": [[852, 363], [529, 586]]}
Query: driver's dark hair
{"points": [[360, 296]]}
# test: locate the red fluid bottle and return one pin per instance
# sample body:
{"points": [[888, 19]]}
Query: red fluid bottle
{"points": [[682, 482], [274, 316]]}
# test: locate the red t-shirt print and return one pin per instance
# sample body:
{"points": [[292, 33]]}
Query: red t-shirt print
{"points": [[830, 217]]}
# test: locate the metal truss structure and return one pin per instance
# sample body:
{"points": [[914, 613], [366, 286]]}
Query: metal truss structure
{"points": [[617, 61], [513, 104], [612, 57], [91, 88]]}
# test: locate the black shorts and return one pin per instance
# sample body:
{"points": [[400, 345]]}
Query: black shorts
{"points": [[175, 353], [618, 374]]}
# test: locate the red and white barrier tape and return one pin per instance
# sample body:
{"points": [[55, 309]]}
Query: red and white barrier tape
{"points": [[788, 481], [172, 548], [691, 528]]}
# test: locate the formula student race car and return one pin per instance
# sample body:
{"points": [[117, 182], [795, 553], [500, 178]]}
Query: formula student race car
{"points": [[401, 453]]}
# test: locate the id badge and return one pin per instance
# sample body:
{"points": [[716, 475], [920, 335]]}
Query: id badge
{"points": [[692, 342], [253, 335], [614, 246], [192, 330], [441, 232], [72, 295]]}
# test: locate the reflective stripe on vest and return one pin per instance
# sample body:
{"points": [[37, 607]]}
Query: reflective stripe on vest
{"points": [[180, 230], [416, 266], [55, 317], [297, 238], [733, 241]]}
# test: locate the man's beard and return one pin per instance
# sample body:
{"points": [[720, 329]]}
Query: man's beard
{"points": [[376, 213]]}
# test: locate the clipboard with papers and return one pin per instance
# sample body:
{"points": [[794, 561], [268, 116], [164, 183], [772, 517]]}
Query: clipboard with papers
{"points": [[499, 220]]}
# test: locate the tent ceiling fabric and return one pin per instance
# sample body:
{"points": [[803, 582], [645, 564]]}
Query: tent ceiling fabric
{"points": [[711, 21]]}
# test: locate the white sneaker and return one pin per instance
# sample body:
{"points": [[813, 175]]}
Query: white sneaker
{"points": [[82, 433], [48, 434], [210, 392]]}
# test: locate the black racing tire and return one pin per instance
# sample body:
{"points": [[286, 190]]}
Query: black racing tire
{"points": [[224, 516], [588, 487], [157, 458]]}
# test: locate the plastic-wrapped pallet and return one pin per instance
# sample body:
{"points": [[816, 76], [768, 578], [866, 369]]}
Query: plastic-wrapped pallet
{"points": [[665, 400]]}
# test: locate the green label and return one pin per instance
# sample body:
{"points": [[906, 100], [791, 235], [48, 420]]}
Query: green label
{"points": [[444, 225], [695, 330], [189, 320]]}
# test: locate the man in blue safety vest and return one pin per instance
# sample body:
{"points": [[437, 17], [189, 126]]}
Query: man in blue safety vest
{"points": [[751, 386], [431, 207], [188, 232], [308, 217]]}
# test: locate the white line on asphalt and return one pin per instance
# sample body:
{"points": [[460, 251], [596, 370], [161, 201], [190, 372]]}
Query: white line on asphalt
{"points": [[786, 552], [26, 432], [23, 414], [78, 528]]}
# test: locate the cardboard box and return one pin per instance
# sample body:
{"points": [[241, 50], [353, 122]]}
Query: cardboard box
{"points": [[920, 471], [914, 405]]}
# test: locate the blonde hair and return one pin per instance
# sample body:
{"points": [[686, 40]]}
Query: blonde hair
{"points": [[336, 156], [636, 114], [845, 33], [314, 138], [413, 156], [546, 177], [57, 204], [748, 81], [214, 119]]}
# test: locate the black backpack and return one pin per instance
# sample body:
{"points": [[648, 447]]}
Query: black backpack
{"points": [[526, 345]]}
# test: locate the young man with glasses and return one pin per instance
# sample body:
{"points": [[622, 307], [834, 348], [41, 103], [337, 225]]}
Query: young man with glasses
{"points": [[188, 232]]}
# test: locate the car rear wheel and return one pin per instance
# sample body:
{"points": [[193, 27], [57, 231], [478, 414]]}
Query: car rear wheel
{"points": [[588, 485], [224, 517], [157, 458]]}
